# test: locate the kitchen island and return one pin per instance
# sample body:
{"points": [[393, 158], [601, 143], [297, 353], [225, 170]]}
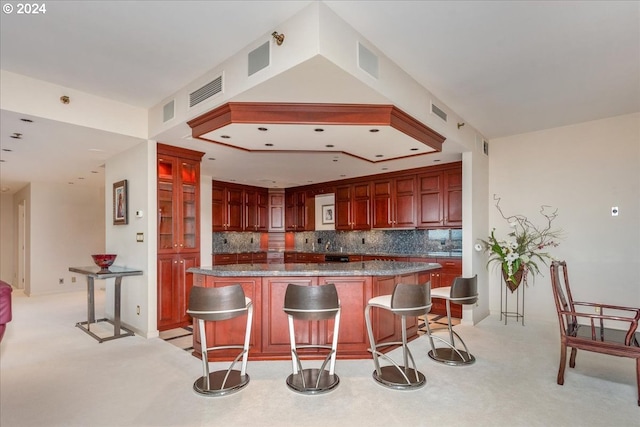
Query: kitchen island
{"points": [[265, 284]]}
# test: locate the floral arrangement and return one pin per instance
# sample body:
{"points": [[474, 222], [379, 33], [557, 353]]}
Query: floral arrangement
{"points": [[524, 248]]}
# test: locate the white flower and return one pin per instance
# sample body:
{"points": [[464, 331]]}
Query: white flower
{"points": [[513, 245], [478, 247], [512, 256]]}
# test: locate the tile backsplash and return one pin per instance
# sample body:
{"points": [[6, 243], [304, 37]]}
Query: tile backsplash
{"points": [[371, 241]]}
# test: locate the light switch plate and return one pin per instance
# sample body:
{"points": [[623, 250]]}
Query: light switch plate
{"points": [[140, 237]]}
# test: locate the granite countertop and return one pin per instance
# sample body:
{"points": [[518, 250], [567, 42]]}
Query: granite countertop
{"points": [[358, 268], [442, 254]]}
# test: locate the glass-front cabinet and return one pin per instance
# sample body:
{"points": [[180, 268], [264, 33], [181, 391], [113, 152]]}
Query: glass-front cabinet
{"points": [[178, 231]]}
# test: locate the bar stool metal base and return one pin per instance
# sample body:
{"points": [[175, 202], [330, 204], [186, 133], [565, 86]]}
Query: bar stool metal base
{"points": [[327, 381], [390, 376], [452, 357], [234, 383]]}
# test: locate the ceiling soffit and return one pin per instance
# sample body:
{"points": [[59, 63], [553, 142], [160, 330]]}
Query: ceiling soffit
{"points": [[370, 132]]}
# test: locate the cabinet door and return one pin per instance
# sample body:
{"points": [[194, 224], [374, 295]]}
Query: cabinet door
{"points": [[353, 292], [232, 331], [190, 206], [275, 324], [250, 210], [405, 202], [168, 197], [262, 210], [235, 209], [343, 208], [430, 196], [361, 207], [382, 204], [168, 291], [218, 208], [290, 211], [186, 262], [453, 197]]}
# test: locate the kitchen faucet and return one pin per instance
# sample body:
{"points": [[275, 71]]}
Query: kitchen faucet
{"points": [[326, 247]]}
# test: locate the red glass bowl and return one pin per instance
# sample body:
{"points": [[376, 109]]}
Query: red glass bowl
{"points": [[104, 261]]}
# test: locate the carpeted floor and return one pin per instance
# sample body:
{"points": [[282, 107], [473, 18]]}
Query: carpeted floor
{"points": [[52, 374]]}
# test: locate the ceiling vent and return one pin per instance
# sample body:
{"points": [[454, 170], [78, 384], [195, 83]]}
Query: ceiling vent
{"points": [[259, 58], [205, 92], [169, 111], [367, 61], [438, 112]]}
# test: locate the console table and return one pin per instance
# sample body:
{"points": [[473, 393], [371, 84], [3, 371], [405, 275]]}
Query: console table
{"points": [[94, 272]]}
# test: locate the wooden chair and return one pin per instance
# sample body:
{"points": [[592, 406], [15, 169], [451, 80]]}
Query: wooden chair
{"points": [[582, 327]]}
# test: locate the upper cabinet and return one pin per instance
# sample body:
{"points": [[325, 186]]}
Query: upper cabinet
{"points": [[440, 197], [353, 206], [299, 211], [238, 207], [394, 202], [178, 200]]}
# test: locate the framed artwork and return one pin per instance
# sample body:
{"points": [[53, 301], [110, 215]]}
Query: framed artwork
{"points": [[120, 203], [328, 214]]}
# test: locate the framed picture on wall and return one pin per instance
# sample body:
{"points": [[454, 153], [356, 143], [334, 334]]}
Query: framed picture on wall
{"points": [[120, 203], [328, 214]]}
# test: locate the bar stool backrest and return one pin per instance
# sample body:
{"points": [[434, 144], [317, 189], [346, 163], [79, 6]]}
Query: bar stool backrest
{"points": [[311, 302], [214, 304], [465, 290], [411, 300]]}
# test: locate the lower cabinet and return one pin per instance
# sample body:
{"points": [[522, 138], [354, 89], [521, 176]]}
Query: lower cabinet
{"points": [[270, 330], [174, 286], [451, 268]]}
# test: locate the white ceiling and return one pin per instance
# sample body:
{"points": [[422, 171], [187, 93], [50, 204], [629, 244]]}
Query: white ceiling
{"points": [[505, 67]]}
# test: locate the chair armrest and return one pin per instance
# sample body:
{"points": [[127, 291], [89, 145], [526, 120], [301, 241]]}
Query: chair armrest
{"points": [[613, 307], [633, 322]]}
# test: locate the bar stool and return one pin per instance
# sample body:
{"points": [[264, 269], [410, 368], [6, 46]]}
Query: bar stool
{"points": [[216, 304], [406, 300], [310, 303], [463, 291]]}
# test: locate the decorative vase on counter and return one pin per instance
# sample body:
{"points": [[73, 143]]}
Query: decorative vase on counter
{"points": [[518, 276]]}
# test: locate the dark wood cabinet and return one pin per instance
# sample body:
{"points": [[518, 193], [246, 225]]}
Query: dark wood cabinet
{"points": [[451, 268], [394, 202], [353, 206], [178, 231], [276, 210], [453, 197], [256, 212], [239, 207], [299, 211], [440, 198]]}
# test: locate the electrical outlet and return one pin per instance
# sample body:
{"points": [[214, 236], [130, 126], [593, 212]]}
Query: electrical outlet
{"points": [[138, 310], [597, 310], [61, 281], [363, 240], [73, 279]]}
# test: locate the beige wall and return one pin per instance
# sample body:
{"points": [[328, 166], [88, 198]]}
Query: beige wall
{"points": [[7, 240], [583, 170]]}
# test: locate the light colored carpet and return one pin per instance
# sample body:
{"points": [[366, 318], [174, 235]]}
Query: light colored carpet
{"points": [[53, 374]]}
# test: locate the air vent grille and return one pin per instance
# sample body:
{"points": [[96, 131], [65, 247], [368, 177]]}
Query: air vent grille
{"points": [[258, 58], [168, 111], [367, 61], [205, 92], [438, 112]]}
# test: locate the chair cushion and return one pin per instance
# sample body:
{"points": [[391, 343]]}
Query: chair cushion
{"points": [[383, 301], [444, 292]]}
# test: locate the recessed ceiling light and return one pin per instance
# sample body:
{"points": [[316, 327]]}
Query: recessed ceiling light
{"points": [[225, 136], [16, 135], [263, 129], [268, 144], [414, 149], [27, 120], [342, 176], [379, 155], [97, 150], [329, 145], [80, 177], [335, 160], [319, 130], [436, 161], [70, 183], [7, 149], [94, 171], [211, 158], [384, 169], [374, 130], [1, 160]]}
